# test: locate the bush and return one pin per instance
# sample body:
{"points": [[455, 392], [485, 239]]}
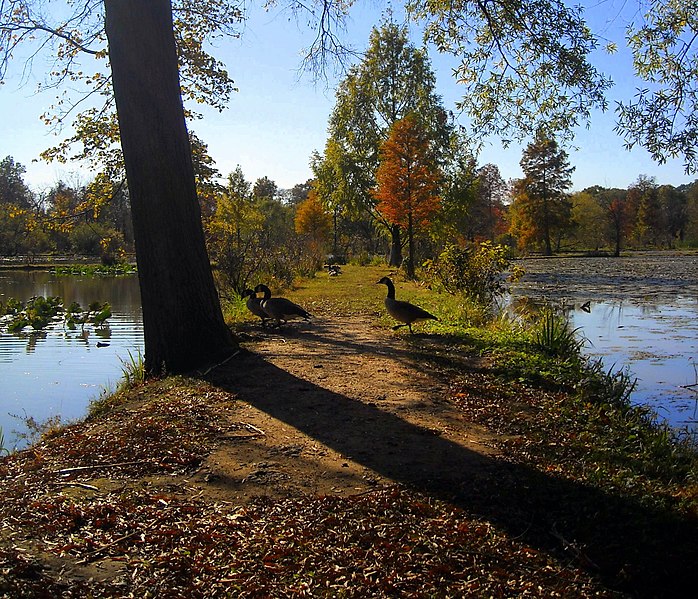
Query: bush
{"points": [[477, 271], [553, 336]]}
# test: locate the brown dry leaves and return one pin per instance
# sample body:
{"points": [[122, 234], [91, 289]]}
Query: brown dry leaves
{"points": [[90, 512]]}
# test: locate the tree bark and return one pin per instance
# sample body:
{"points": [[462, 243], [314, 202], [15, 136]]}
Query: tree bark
{"points": [[182, 318], [395, 246], [410, 245]]}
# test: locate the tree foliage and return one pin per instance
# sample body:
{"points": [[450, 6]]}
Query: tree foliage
{"points": [[541, 209], [663, 116], [524, 65], [393, 80], [588, 215], [408, 180], [489, 206], [72, 32], [314, 224]]}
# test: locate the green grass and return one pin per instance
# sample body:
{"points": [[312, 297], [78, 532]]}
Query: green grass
{"points": [[3, 450], [356, 292]]}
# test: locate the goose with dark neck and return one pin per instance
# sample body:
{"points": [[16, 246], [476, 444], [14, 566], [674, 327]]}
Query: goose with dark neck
{"points": [[403, 311], [279, 309], [253, 305]]}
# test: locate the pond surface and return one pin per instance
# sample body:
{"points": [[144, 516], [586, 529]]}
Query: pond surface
{"points": [[57, 372], [639, 312]]}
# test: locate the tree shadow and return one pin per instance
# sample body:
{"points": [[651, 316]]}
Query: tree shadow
{"points": [[631, 547]]}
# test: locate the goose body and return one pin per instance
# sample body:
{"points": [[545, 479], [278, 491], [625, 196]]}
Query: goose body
{"points": [[253, 305], [402, 311], [279, 308]]}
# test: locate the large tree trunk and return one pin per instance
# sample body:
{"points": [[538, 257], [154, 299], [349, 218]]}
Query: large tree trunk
{"points": [[182, 318], [410, 245]]}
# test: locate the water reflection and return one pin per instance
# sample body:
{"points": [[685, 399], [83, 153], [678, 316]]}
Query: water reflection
{"points": [[56, 372], [659, 344], [641, 313]]}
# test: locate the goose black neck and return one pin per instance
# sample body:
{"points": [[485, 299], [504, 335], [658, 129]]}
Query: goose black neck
{"points": [[391, 289], [264, 289]]}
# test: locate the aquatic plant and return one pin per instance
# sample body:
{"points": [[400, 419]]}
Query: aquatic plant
{"points": [[553, 336], [95, 270], [38, 313], [97, 313]]}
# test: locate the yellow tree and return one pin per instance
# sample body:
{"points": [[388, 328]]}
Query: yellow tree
{"points": [[314, 223], [407, 180]]}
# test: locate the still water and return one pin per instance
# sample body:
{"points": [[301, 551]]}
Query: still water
{"points": [[659, 345], [639, 313], [57, 372]]}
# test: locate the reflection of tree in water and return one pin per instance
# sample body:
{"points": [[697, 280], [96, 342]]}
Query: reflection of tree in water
{"points": [[33, 338]]}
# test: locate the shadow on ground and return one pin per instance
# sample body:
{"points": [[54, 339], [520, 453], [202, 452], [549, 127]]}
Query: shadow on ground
{"points": [[630, 547]]}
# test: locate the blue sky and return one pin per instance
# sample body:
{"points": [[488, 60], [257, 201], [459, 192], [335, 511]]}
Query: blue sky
{"points": [[277, 120]]}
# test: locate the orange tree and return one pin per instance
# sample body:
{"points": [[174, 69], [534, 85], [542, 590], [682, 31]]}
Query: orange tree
{"points": [[314, 223], [408, 179]]}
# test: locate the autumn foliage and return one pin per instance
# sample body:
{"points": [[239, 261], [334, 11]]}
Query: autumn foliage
{"points": [[407, 179]]}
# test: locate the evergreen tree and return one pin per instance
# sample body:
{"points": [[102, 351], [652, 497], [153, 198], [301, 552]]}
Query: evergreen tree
{"points": [[541, 202]]}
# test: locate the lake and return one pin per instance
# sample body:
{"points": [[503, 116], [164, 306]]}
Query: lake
{"points": [[639, 312], [57, 372]]}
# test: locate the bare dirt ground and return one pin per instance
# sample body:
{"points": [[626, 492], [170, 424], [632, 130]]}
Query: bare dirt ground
{"points": [[339, 407]]}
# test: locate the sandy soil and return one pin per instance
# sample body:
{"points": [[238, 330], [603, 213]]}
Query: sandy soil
{"points": [[339, 407]]}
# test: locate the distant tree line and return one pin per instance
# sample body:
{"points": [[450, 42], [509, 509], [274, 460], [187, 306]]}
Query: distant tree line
{"points": [[398, 181]]}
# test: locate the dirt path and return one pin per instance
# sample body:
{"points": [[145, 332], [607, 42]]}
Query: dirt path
{"points": [[339, 407]]}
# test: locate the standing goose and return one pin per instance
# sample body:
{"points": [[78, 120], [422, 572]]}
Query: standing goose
{"points": [[253, 305], [279, 308], [402, 311]]}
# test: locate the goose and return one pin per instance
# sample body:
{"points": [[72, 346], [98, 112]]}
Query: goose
{"points": [[253, 305], [280, 308], [402, 311]]}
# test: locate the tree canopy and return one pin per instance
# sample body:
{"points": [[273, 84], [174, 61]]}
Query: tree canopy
{"points": [[408, 180], [663, 116], [394, 79], [541, 207]]}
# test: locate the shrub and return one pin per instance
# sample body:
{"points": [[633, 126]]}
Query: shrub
{"points": [[477, 271]]}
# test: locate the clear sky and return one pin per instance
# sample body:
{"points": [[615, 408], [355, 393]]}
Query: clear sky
{"points": [[277, 119]]}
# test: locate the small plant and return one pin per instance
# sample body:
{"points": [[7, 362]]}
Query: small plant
{"points": [[37, 430], [553, 336], [3, 450], [132, 371], [613, 387]]}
